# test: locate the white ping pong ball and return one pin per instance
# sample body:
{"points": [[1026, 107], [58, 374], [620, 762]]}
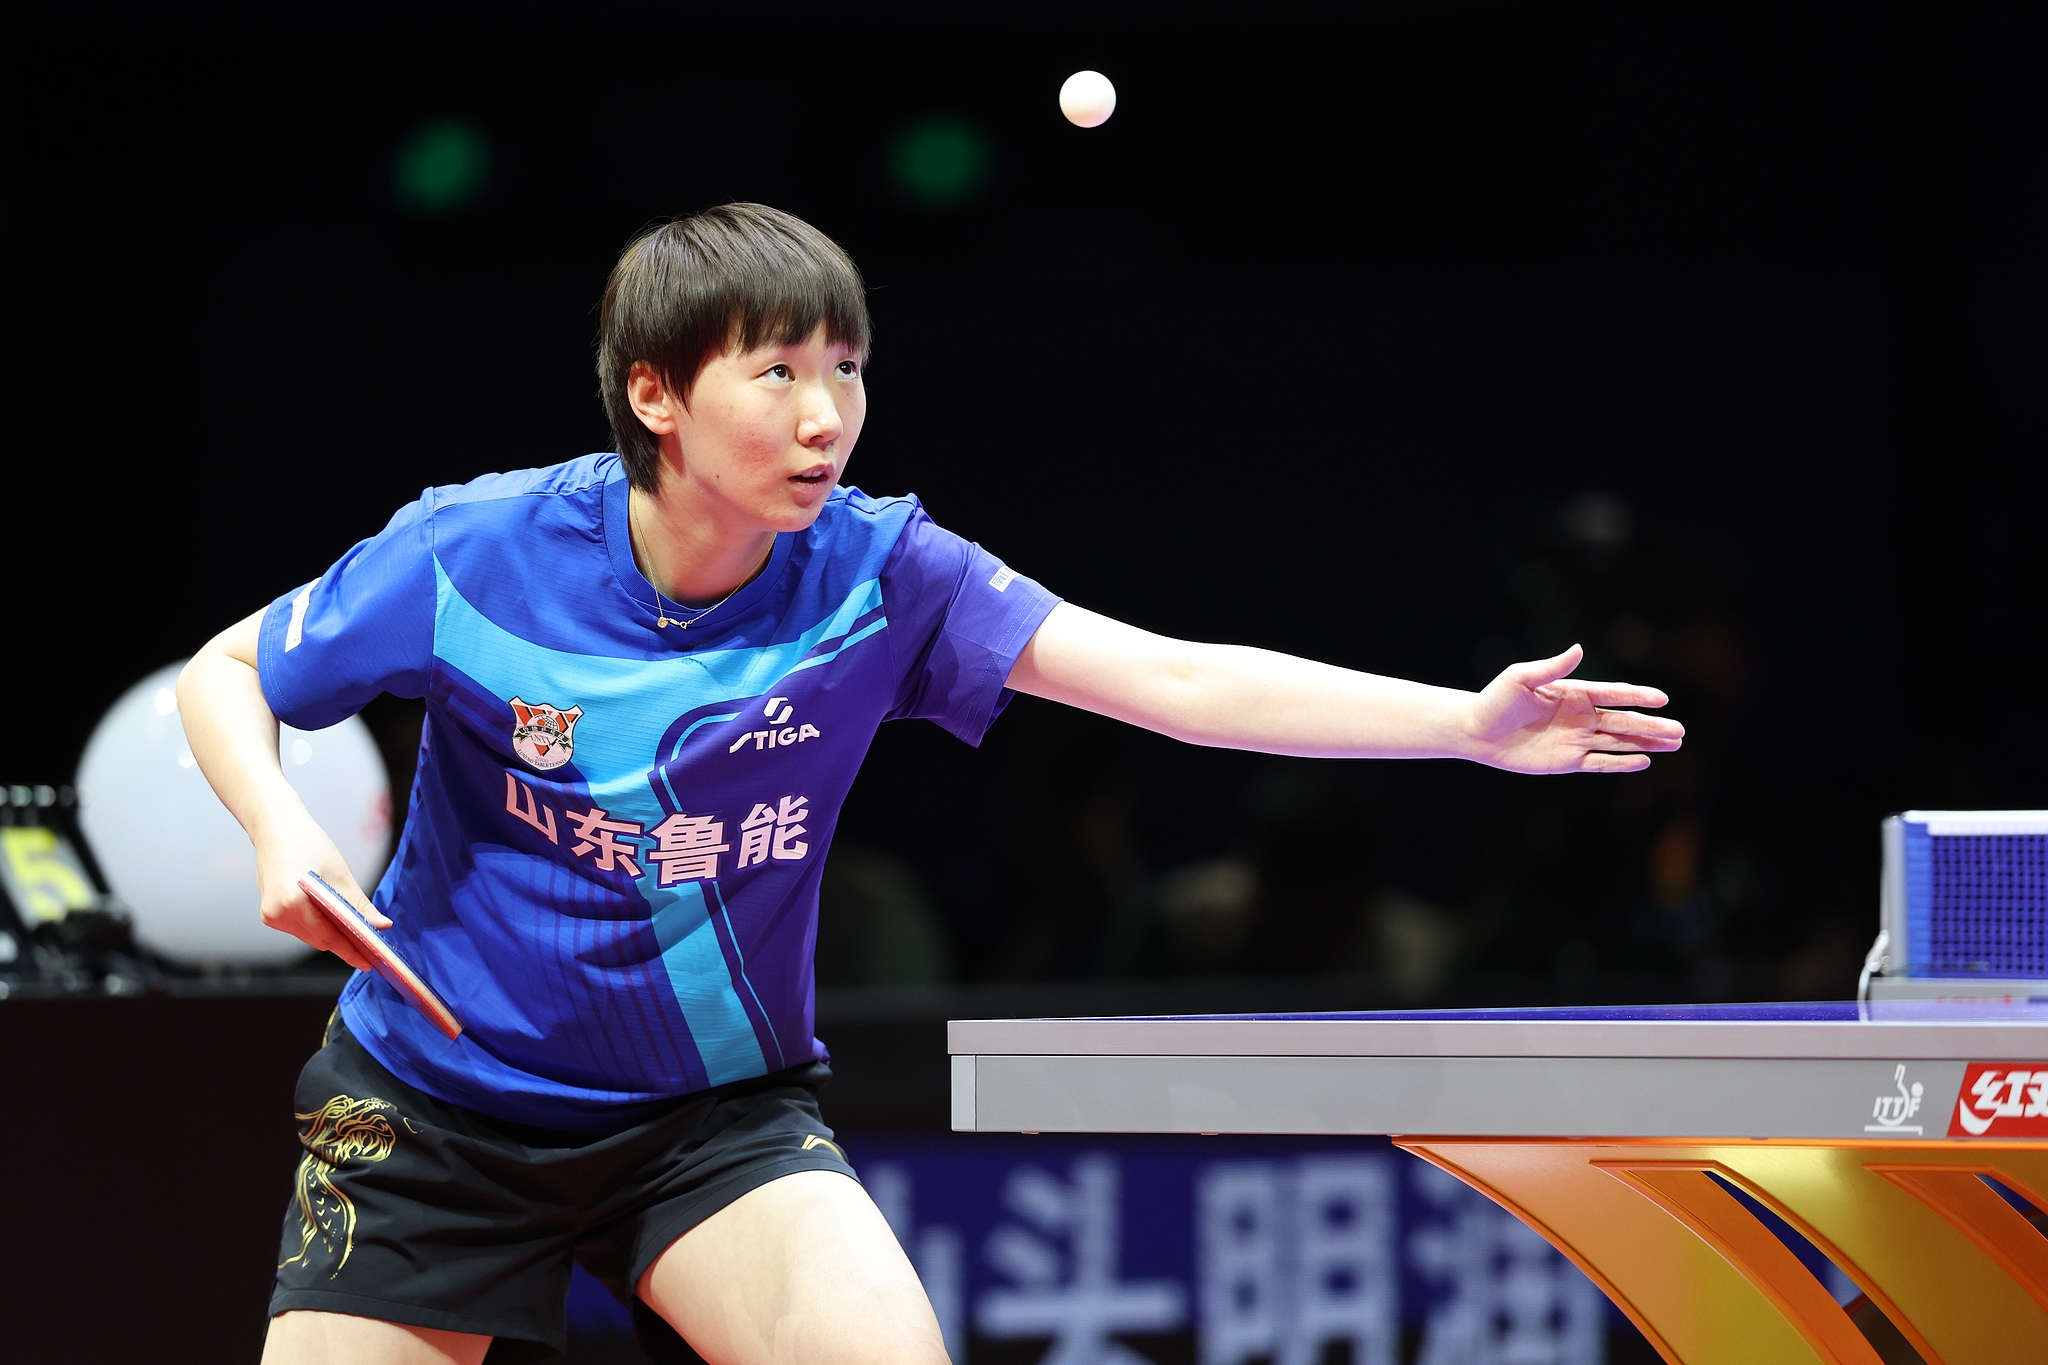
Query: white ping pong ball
{"points": [[1087, 99]]}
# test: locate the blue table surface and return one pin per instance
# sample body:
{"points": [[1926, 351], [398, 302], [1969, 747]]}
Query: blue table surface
{"points": [[2016, 1010]]}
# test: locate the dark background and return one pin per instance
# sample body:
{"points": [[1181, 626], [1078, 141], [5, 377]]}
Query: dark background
{"points": [[1416, 338], [1413, 337]]}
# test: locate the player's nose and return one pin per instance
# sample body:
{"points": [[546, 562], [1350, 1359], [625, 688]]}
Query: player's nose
{"points": [[820, 422]]}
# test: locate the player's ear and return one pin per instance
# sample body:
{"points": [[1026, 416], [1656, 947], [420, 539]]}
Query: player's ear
{"points": [[652, 403]]}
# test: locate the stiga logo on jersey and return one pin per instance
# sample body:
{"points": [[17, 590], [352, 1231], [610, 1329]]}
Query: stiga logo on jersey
{"points": [[545, 736], [2001, 1099], [780, 731]]}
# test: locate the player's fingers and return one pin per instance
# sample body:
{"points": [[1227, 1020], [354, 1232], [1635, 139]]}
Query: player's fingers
{"points": [[368, 907], [1543, 672], [1623, 694], [342, 948], [291, 913], [355, 896], [1635, 722], [1625, 744], [1638, 726], [1614, 763], [1633, 744], [350, 954], [312, 929]]}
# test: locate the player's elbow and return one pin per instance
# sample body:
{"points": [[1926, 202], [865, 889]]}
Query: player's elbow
{"points": [[1171, 687], [192, 677], [1185, 689], [233, 648]]}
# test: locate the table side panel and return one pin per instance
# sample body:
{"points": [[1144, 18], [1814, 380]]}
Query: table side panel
{"points": [[963, 1106], [1476, 1096], [1984, 1041]]}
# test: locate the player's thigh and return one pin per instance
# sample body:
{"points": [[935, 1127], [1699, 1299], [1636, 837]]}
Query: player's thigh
{"points": [[801, 1271], [304, 1337]]}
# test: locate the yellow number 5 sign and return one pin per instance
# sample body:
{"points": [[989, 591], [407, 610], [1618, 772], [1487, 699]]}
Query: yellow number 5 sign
{"points": [[42, 875]]}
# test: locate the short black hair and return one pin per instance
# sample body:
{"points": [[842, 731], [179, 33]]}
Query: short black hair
{"points": [[730, 278]]}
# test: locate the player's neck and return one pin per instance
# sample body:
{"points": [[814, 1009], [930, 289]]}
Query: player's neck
{"points": [[686, 553]]}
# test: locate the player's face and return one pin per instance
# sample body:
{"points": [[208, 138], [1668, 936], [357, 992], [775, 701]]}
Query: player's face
{"points": [[768, 432]]}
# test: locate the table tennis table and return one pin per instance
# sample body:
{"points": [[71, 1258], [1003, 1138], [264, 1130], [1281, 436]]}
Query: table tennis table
{"points": [[1623, 1135]]}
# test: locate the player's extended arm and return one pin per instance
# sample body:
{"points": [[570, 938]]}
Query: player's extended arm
{"points": [[1531, 719], [233, 734]]}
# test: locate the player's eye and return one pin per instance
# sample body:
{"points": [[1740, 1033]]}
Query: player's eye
{"points": [[848, 369], [779, 373]]}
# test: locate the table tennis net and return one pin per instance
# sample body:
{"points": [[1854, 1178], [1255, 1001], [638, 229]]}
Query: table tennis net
{"points": [[1967, 893]]}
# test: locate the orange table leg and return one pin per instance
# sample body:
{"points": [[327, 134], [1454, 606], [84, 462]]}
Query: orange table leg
{"points": [[1995, 1226], [1963, 1276]]}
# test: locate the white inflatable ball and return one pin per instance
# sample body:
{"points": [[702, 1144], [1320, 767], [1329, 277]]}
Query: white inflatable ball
{"points": [[170, 849], [1087, 99]]}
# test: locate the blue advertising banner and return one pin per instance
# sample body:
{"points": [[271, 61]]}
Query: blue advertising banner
{"points": [[1215, 1251]]}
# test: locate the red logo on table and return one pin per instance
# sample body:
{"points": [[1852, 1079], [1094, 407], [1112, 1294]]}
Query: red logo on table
{"points": [[2002, 1099]]}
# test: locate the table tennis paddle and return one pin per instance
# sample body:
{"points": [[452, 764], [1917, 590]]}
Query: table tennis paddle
{"points": [[390, 965]]}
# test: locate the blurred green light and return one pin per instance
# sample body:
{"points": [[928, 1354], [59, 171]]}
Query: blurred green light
{"points": [[441, 166], [940, 161]]}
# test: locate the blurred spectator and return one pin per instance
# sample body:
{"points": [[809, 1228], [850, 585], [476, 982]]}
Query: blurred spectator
{"points": [[1325, 904], [1075, 895], [1681, 883], [1721, 873], [1206, 911], [876, 926]]}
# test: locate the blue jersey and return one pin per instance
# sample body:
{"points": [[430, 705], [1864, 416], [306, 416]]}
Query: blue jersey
{"points": [[612, 849]]}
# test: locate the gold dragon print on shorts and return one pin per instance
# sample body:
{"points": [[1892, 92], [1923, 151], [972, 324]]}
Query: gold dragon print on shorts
{"points": [[341, 1130]]}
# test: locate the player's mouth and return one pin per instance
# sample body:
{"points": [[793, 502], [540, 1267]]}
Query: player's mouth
{"points": [[820, 474]]}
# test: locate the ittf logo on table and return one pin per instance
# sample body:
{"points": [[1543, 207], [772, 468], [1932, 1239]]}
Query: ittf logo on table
{"points": [[780, 733], [1892, 1111], [2002, 1099]]}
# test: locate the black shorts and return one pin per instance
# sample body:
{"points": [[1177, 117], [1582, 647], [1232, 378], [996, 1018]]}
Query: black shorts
{"points": [[413, 1210]]}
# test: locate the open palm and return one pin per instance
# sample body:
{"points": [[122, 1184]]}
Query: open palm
{"points": [[1534, 718]]}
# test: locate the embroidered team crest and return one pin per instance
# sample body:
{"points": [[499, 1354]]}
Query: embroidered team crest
{"points": [[544, 736]]}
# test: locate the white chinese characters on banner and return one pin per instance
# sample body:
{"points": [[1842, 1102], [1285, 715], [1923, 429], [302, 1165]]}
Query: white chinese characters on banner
{"points": [[1242, 1275], [1063, 1261], [1512, 1299], [1293, 1257]]}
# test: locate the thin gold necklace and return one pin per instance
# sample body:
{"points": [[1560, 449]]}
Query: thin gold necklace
{"points": [[662, 619]]}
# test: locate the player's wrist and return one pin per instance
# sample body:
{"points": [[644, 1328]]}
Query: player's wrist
{"points": [[280, 822], [1464, 731]]}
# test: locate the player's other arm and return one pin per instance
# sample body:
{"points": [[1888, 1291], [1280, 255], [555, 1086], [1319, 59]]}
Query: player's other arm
{"points": [[1533, 718], [233, 734]]}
